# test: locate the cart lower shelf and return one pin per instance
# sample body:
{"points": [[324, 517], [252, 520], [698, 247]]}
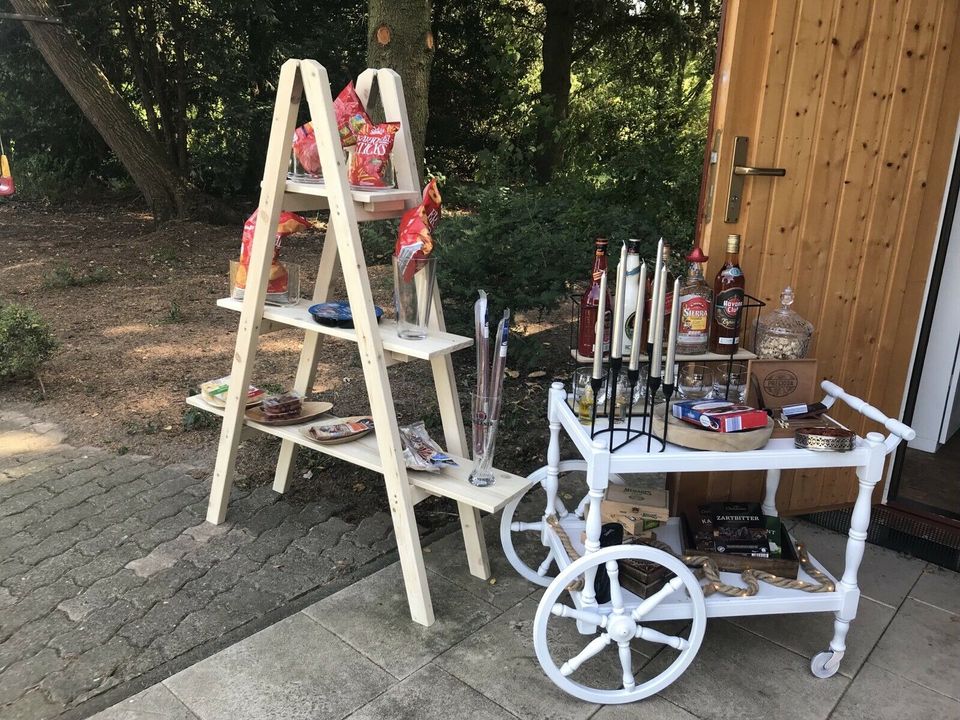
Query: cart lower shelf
{"points": [[770, 600], [451, 482]]}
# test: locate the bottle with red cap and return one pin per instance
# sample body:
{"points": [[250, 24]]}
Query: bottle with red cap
{"points": [[696, 299]]}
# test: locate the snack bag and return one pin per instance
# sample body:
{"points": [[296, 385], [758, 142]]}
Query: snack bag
{"points": [[351, 117], [414, 237], [370, 158], [305, 147], [277, 285]]}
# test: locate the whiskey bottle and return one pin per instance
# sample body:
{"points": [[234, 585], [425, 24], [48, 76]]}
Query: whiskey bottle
{"points": [[589, 302], [696, 299], [728, 302]]}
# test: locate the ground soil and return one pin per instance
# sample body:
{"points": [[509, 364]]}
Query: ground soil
{"points": [[144, 332]]}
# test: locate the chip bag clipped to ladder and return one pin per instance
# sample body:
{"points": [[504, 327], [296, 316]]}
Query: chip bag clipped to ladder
{"points": [[7, 186]]}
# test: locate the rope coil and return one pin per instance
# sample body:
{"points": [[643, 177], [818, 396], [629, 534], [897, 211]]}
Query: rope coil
{"points": [[708, 570]]}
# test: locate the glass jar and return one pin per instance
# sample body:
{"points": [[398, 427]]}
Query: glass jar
{"points": [[782, 334]]}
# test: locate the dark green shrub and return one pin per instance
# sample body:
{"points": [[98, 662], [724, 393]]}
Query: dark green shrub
{"points": [[25, 342]]}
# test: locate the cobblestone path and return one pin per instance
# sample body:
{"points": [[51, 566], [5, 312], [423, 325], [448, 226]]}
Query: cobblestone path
{"points": [[108, 570]]}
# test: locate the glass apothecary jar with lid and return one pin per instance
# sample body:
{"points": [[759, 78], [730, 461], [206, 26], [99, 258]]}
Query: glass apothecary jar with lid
{"points": [[782, 334]]}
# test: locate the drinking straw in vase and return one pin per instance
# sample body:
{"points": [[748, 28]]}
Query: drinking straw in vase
{"points": [[481, 338], [497, 374]]}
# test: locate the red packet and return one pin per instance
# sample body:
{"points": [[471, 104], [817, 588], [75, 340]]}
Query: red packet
{"points": [[371, 156], [289, 223], [305, 147], [350, 114], [415, 235]]}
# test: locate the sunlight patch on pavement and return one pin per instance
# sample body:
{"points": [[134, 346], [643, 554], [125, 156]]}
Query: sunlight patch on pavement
{"points": [[18, 442]]}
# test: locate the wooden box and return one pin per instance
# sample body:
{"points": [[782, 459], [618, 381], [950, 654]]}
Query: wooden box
{"points": [[775, 383], [638, 509], [787, 565]]}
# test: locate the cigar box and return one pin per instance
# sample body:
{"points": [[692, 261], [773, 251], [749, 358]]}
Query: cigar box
{"points": [[639, 509]]}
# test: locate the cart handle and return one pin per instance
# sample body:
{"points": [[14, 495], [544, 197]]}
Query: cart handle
{"points": [[903, 432]]}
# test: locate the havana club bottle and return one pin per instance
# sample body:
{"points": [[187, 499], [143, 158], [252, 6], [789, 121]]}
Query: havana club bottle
{"points": [[696, 300], [728, 302], [589, 304]]}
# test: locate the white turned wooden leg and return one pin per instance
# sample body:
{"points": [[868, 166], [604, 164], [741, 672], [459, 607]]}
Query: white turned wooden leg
{"points": [[770, 496], [551, 483]]}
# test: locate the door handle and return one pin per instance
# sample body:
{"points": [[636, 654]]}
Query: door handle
{"points": [[738, 172], [755, 171]]}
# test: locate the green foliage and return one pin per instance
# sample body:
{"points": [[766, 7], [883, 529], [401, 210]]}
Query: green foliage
{"points": [[65, 276], [26, 342], [197, 419], [174, 314]]}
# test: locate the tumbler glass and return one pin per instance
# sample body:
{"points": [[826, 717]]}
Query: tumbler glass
{"points": [[694, 382], [413, 286], [730, 382], [484, 417]]}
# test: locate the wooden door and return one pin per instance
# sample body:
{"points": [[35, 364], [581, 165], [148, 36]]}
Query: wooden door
{"points": [[857, 100]]}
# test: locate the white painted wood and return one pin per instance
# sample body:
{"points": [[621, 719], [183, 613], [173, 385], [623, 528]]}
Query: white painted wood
{"points": [[289, 89], [772, 484], [297, 316]]}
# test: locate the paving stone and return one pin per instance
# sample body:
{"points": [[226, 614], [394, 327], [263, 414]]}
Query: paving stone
{"points": [[40, 602], [166, 508], [877, 694], [431, 694], [165, 529], [810, 633], [19, 503], [25, 520], [154, 703], [87, 671], [20, 677], [274, 541], [759, 680], [10, 545], [96, 628], [32, 637], [323, 536], [35, 705], [651, 708], [372, 616], [46, 572], [922, 644], [223, 576], [109, 537], [68, 519], [99, 595], [884, 575], [163, 585], [252, 679], [940, 587], [162, 618], [104, 565], [163, 556]]}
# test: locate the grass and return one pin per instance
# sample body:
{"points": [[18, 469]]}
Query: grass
{"points": [[174, 314], [66, 276]]}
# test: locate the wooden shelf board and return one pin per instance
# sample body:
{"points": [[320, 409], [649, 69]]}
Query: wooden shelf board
{"points": [[450, 482], [365, 197], [434, 345], [741, 354]]}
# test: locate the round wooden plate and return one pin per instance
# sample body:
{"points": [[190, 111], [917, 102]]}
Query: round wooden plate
{"points": [[690, 436], [309, 411]]}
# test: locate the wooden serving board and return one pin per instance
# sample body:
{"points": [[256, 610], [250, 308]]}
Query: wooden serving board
{"points": [[309, 411], [690, 436]]}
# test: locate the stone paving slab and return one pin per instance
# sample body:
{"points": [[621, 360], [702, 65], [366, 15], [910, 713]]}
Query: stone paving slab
{"points": [[877, 694], [108, 570]]}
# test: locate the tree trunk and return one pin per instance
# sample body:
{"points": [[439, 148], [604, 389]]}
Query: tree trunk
{"points": [[554, 84], [400, 38], [107, 111]]}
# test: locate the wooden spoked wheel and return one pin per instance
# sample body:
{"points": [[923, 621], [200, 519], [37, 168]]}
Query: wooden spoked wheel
{"points": [[511, 524], [616, 624]]}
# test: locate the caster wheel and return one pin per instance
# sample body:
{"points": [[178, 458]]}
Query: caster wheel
{"points": [[510, 524], [826, 663], [616, 624]]}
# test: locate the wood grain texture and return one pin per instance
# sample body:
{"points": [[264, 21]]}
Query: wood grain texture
{"points": [[853, 98]]}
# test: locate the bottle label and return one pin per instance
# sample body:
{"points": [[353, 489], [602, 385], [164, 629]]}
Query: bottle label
{"points": [[694, 317], [733, 272], [727, 308]]}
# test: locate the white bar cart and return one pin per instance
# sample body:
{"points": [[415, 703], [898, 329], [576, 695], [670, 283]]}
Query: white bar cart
{"points": [[626, 617]]}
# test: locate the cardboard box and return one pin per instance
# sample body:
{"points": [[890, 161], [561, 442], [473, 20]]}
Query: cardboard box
{"points": [[775, 383], [719, 415], [639, 510]]}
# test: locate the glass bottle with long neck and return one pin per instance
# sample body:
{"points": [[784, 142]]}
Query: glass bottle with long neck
{"points": [[589, 303], [728, 302], [696, 300]]}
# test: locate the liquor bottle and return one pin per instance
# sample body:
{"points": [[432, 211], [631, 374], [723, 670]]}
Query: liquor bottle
{"points": [[668, 299], [696, 299], [728, 301], [630, 291], [588, 306]]}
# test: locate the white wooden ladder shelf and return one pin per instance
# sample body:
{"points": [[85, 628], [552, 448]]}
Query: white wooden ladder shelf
{"points": [[379, 345]]}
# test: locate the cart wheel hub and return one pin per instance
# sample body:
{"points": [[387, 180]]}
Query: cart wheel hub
{"points": [[621, 627]]}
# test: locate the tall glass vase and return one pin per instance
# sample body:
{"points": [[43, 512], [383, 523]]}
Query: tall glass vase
{"points": [[485, 417]]}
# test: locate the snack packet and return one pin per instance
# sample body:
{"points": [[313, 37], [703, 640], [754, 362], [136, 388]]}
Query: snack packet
{"points": [[277, 289], [420, 452], [351, 117], [415, 234], [305, 148], [370, 158]]}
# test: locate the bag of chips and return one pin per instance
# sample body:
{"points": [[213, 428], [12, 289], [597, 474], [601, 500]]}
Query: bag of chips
{"points": [[370, 157], [305, 148], [351, 117], [415, 234], [277, 288]]}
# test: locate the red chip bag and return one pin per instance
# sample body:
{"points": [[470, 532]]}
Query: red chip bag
{"points": [[370, 158], [415, 235], [351, 117], [277, 285], [305, 147]]}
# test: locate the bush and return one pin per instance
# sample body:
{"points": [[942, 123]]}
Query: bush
{"points": [[64, 276], [25, 342]]}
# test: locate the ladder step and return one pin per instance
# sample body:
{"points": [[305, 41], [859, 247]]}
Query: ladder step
{"points": [[435, 344], [451, 482]]}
